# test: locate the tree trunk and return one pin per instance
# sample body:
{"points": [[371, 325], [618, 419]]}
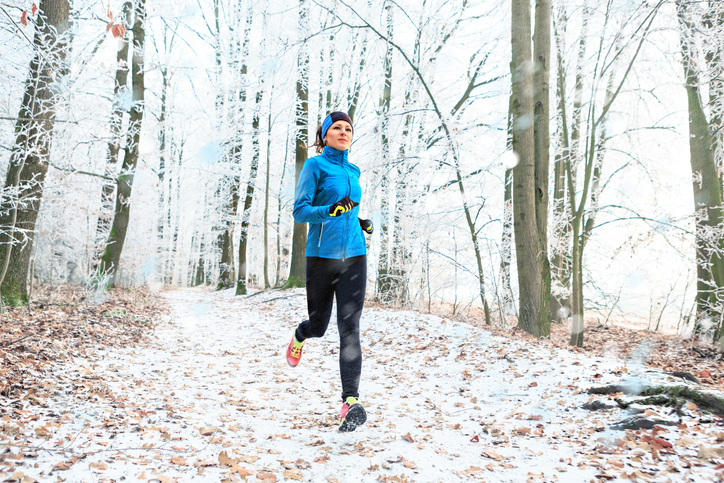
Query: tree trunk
{"points": [[29, 156], [357, 86], [561, 227], [527, 240], [707, 189], [506, 240], [164, 205], [541, 99], [384, 277], [227, 274], [266, 195], [114, 247], [108, 188], [297, 269], [246, 214]]}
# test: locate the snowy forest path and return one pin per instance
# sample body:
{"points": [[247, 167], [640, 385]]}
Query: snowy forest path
{"points": [[212, 399]]}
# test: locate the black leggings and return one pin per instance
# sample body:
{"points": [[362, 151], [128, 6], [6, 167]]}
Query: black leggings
{"points": [[345, 279]]}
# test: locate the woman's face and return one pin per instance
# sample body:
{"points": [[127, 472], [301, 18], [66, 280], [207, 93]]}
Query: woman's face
{"points": [[339, 136]]}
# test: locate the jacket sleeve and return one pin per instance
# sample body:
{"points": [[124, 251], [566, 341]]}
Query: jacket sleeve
{"points": [[304, 212]]}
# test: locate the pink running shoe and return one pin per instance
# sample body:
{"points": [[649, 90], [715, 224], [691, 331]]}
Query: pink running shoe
{"points": [[352, 415], [294, 352]]}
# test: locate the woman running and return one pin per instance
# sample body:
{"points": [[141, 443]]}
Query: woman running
{"points": [[327, 197]]}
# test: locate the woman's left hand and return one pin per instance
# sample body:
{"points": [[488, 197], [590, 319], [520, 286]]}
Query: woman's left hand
{"points": [[366, 226]]}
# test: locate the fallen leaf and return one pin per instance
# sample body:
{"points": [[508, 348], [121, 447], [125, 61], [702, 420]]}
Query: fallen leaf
{"points": [[292, 475], [409, 464], [98, 465], [492, 455], [266, 476], [225, 460], [178, 460], [474, 439], [208, 431], [709, 453], [533, 384], [408, 438]]}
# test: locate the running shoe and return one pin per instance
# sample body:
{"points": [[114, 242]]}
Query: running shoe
{"points": [[352, 415], [294, 352]]}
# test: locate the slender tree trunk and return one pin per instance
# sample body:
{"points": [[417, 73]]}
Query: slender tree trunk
{"points": [[541, 100], [108, 187], [246, 214], [200, 276], [354, 93], [29, 156], [227, 274], [164, 208], [570, 165], [266, 196], [175, 202], [297, 269], [110, 262], [277, 278], [561, 227], [384, 277], [506, 241]]}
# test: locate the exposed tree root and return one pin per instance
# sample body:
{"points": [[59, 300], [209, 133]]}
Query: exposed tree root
{"points": [[675, 396]]}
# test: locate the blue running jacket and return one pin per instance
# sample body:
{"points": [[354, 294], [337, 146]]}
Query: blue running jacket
{"points": [[324, 180]]}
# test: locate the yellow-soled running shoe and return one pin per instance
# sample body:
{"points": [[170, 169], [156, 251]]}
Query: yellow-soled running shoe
{"points": [[294, 352], [352, 415]]}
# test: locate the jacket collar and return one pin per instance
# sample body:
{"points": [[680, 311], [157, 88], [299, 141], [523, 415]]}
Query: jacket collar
{"points": [[335, 154]]}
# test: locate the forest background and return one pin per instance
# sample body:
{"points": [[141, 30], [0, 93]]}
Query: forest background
{"points": [[154, 142]]}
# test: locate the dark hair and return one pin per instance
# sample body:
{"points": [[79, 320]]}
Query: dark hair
{"points": [[318, 141]]}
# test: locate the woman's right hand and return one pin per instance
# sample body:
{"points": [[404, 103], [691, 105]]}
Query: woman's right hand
{"points": [[342, 206]]}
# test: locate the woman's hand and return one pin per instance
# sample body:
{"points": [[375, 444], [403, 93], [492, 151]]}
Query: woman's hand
{"points": [[342, 206], [366, 226]]}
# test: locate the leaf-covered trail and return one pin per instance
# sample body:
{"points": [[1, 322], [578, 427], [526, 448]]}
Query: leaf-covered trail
{"points": [[213, 400]]}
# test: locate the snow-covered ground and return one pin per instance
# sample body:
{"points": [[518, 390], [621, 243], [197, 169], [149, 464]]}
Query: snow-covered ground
{"points": [[214, 400]]}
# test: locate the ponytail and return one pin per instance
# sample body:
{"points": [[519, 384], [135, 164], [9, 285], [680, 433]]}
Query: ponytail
{"points": [[319, 142]]}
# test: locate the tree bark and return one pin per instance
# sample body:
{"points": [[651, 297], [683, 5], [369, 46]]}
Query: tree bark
{"points": [[506, 239], [110, 262], [297, 269], [30, 154], [541, 99], [246, 214], [384, 277], [266, 196], [527, 240], [707, 189], [561, 226], [108, 187]]}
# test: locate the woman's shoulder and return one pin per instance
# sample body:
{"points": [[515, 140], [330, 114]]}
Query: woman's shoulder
{"points": [[355, 168], [313, 162]]}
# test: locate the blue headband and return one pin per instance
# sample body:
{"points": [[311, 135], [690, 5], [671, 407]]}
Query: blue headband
{"points": [[334, 117]]}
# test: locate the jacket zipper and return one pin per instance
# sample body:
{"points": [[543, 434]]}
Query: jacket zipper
{"points": [[321, 230], [346, 215]]}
